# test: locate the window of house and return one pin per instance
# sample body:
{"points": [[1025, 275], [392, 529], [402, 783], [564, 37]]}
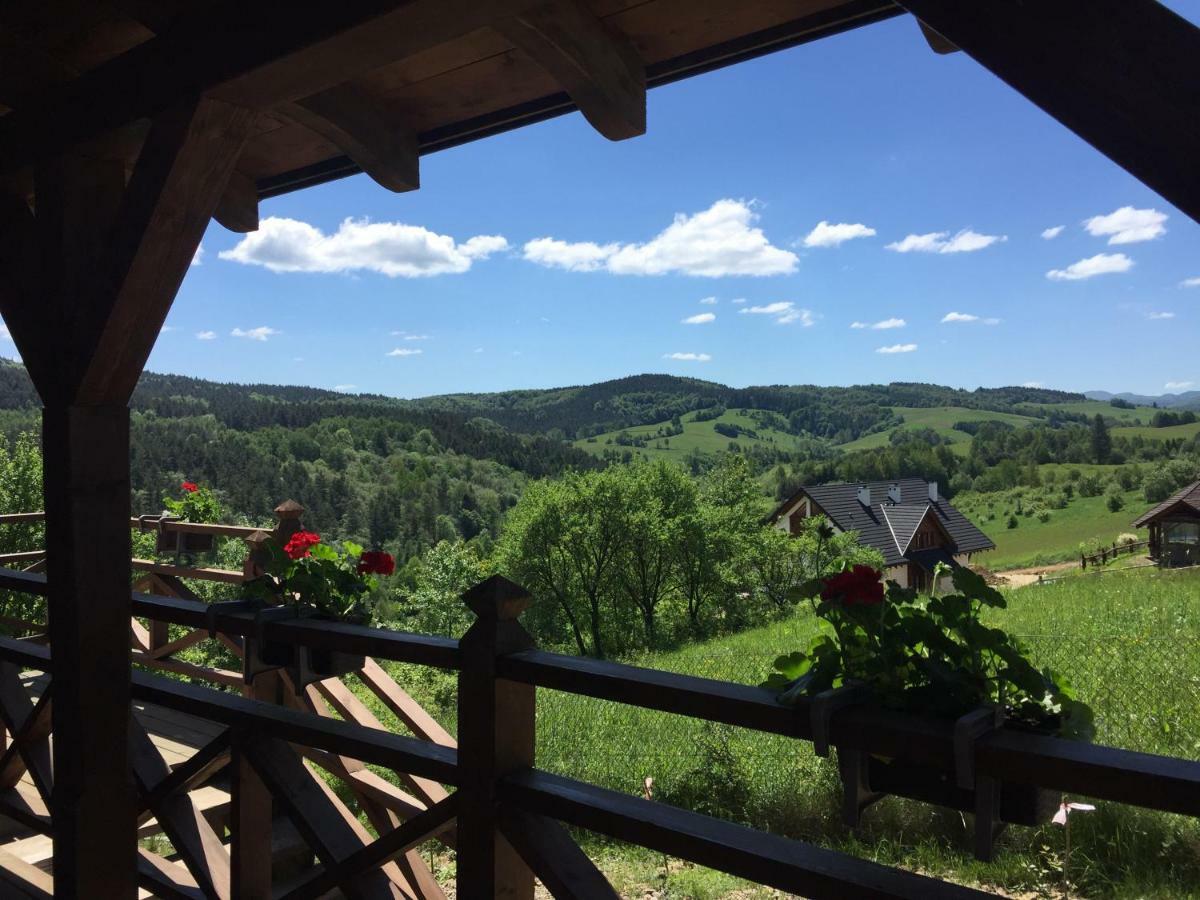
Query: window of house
{"points": [[1182, 533]]}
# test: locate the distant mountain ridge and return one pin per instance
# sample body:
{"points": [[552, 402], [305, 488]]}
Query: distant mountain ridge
{"points": [[1184, 400]]}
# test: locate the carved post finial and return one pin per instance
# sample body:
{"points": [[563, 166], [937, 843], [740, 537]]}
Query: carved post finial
{"points": [[289, 513], [497, 598], [256, 554]]}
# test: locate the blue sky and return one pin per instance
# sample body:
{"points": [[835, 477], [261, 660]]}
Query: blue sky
{"points": [[550, 256]]}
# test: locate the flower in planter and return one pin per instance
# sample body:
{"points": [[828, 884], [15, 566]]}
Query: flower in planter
{"points": [[300, 544], [926, 655], [308, 574], [197, 503], [860, 585], [376, 562]]}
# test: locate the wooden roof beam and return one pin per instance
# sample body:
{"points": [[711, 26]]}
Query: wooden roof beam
{"points": [[364, 130], [597, 66], [1121, 74], [278, 52], [237, 209]]}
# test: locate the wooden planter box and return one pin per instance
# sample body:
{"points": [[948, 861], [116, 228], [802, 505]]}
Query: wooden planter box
{"points": [[304, 665], [867, 778], [183, 542]]}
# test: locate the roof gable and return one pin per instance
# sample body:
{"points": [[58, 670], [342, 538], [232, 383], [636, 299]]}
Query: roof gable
{"points": [[1188, 497], [885, 526]]}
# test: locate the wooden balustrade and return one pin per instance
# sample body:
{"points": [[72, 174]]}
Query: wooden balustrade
{"points": [[504, 817]]}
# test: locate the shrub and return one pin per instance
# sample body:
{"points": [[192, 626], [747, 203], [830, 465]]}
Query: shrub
{"points": [[1115, 502], [1012, 522], [1127, 538], [1044, 516], [1090, 486]]}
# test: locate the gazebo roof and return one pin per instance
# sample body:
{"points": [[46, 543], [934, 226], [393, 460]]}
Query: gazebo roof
{"points": [[371, 84]]}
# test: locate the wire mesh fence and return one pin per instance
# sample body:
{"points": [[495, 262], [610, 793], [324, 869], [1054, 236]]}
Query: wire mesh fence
{"points": [[1144, 689]]}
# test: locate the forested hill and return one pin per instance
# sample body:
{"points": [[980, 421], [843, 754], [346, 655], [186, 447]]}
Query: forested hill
{"points": [[838, 413]]}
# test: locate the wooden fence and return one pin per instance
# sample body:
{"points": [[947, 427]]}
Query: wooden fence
{"points": [[1104, 554], [504, 816]]}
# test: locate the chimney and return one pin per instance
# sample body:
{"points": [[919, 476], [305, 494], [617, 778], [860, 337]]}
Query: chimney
{"points": [[894, 492], [933, 494], [864, 495]]}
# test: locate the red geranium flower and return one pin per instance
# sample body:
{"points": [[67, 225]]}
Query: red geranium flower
{"points": [[299, 544], [376, 562], [859, 585], [189, 487]]}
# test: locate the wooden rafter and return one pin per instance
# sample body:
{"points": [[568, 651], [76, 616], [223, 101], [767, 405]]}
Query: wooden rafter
{"points": [[237, 209], [598, 67], [1119, 73], [267, 60], [364, 129]]}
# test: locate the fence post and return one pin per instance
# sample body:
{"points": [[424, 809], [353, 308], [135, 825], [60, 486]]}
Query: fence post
{"points": [[496, 734]]}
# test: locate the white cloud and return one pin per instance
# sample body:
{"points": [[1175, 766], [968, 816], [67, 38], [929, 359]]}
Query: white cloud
{"points": [[1100, 264], [699, 319], [897, 348], [1160, 315], [1190, 282], [198, 256], [166, 328], [261, 333], [881, 325], [709, 301], [416, 337], [965, 241], [5, 334], [1031, 384], [738, 301], [206, 335], [688, 357], [405, 351], [1127, 225], [1178, 385], [390, 248], [712, 243], [826, 235], [477, 350], [1051, 233], [785, 312], [342, 388], [968, 317], [583, 256]]}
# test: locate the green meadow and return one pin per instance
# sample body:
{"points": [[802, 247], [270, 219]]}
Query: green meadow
{"points": [[1126, 641]]}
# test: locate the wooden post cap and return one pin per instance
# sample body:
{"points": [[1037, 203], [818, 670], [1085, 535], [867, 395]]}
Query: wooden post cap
{"points": [[289, 509], [497, 598], [258, 538]]}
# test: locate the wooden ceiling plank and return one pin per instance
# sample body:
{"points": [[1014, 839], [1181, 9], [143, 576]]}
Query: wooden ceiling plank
{"points": [[1121, 74], [595, 64], [364, 130], [272, 57]]}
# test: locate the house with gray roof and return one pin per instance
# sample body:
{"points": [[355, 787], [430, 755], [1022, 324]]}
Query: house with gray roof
{"points": [[908, 521]]}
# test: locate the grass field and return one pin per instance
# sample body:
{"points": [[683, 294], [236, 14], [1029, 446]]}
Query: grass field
{"points": [[1034, 543], [697, 436], [941, 419], [1089, 408], [1126, 642], [1187, 432]]}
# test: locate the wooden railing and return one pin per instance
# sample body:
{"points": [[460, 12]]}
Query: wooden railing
{"points": [[1104, 554], [499, 790]]}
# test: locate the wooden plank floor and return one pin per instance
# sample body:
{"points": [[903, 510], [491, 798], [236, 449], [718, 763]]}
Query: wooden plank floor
{"points": [[176, 735]]}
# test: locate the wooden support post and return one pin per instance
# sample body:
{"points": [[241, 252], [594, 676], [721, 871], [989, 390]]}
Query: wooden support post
{"points": [[289, 513], [250, 828], [496, 732], [86, 458]]}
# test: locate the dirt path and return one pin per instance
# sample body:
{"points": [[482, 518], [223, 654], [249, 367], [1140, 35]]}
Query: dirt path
{"points": [[1022, 577]]}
